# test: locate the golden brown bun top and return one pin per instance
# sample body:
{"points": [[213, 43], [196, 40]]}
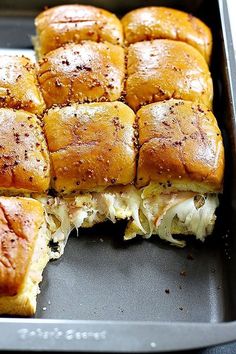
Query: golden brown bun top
{"points": [[20, 220], [91, 145], [163, 69], [164, 23], [18, 84], [83, 72], [180, 141], [24, 158], [74, 23]]}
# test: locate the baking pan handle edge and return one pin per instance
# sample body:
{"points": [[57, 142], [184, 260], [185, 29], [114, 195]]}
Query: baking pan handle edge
{"points": [[88, 336]]}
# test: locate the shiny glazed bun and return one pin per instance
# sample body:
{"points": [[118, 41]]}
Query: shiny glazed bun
{"points": [[83, 72], [180, 142], [24, 163], [74, 23], [24, 254], [150, 23], [164, 69], [92, 146], [18, 84]]}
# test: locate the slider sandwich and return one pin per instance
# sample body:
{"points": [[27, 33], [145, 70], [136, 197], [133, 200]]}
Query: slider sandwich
{"points": [[24, 173], [24, 156], [60, 25], [84, 72], [23, 254], [93, 150], [163, 69], [180, 170], [25, 164], [148, 23], [93, 154], [18, 84]]}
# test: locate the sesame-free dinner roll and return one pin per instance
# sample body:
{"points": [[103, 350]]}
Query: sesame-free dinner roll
{"points": [[24, 162], [180, 143], [23, 253], [18, 84], [83, 72], [91, 146], [164, 69], [180, 171], [74, 23], [150, 23]]}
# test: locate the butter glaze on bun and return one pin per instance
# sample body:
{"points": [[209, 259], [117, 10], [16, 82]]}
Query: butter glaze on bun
{"points": [[180, 142], [75, 23], [24, 162], [150, 23], [24, 254], [19, 87], [91, 146], [85, 72], [163, 69]]}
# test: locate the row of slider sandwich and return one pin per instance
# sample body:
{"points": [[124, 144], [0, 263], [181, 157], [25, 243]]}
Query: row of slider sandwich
{"points": [[113, 123]]}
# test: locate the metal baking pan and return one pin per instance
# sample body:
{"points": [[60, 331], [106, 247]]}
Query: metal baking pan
{"points": [[140, 296]]}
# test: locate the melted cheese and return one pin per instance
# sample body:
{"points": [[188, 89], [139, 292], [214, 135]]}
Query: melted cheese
{"points": [[175, 213], [115, 203], [153, 210], [58, 222]]}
